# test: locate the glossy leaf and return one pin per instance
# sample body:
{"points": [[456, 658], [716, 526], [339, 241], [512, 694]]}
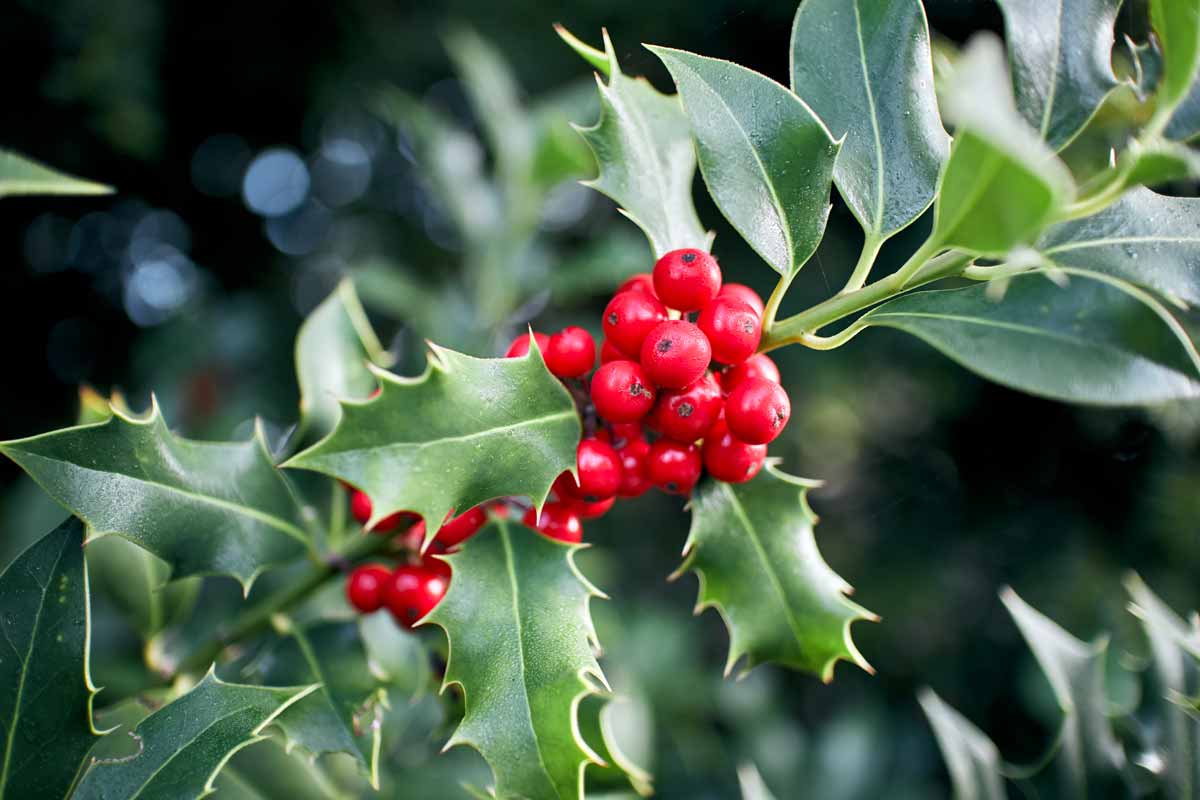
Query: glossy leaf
{"points": [[1177, 24], [766, 158], [643, 148], [46, 692], [522, 648], [466, 431], [1061, 56], [203, 507], [1097, 340], [865, 69], [970, 756], [24, 176], [752, 547], [185, 743], [1185, 121]]}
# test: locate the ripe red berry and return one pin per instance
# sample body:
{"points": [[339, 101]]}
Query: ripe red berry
{"points": [[414, 539], [673, 467], [757, 410], [609, 352], [625, 432], [642, 282], [412, 592], [732, 328], [599, 471], [365, 587], [758, 365], [729, 459], [621, 391], [741, 291], [686, 280], [464, 526], [520, 345], [361, 509], [558, 521], [629, 317], [685, 414], [675, 354], [634, 480], [593, 510], [571, 353]]}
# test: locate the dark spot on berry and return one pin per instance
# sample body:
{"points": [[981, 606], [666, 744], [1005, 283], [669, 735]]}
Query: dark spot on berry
{"points": [[747, 325], [637, 390], [664, 345], [684, 410], [613, 318], [777, 417], [687, 258], [672, 486]]}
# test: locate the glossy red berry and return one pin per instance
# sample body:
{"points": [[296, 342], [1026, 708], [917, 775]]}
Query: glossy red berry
{"points": [[365, 587], [642, 282], [757, 410], [608, 352], [629, 318], [558, 521], [414, 539], [413, 591], [599, 470], [732, 328], [520, 345], [625, 432], [685, 414], [673, 467], [741, 291], [571, 353], [593, 510], [758, 365], [729, 459], [634, 480], [361, 509], [675, 354], [457, 530], [686, 280], [621, 391]]}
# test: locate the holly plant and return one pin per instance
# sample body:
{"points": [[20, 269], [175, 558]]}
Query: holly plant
{"points": [[416, 529]]}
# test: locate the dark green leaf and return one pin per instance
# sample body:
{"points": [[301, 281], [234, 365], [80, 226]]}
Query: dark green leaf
{"points": [[45, 690], [970, 756], [752, 547], [765, 156], [1185, 121], [1177, 23], [865, 69], [23, 176]]}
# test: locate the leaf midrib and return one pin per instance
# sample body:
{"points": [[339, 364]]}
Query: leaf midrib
{"points": [[178, 752], [1084, 244], [466, 437], [642, 129], [862, 55], [1052, 91]]}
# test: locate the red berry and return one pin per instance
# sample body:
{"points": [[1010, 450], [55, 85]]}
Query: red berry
{"points": [[732, 328], [414, 539], [634, 481], [621, 391], [608, 352], [686, 280], [564, 487], [629, 317], [625, 432], [365, 587], [675, 354], [520, 345], [593, 510], [757, 410], [642, 282], [673, 467], [571, 353], [758, 365], [685, 414], [412, 592], [741, 291], [361, 509], [463, 527], [729, 459], [436, 565], [599, 470], [558, 521], [360, 506], [378, 390]]}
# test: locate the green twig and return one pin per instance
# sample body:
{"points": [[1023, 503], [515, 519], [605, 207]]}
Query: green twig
{"points": [[866, 260]]}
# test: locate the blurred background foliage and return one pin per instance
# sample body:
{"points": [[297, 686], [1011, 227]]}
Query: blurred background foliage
{"points": [[263, 150]]}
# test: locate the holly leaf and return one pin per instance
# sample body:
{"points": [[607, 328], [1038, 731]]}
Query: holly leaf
{"points": [[867, 72], [1185, 121], [395, 655], [522, 649], [752, 547], [1177, 25], [185, 743], [267, 771], [24, 176], [1061, 57], [46, 690], [136, 582], [206, 508], [467, 430], [620, 731], [751, 783], [643, 149], [769, 173], [1098, 340], [971, 758]]}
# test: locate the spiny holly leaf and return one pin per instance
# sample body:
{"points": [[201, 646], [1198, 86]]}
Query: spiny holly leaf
{"points": [[46, 692], [752, 547], [332, 350], [267, 771], [1061, 56], [643, 148], [766, 158], [522, 647], [206, 508], [468, 430], [21, 175], [971, 758], [185, 743]]}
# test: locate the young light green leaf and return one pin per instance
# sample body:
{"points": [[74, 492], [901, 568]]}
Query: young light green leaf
{"points": [[522, 648], [752, 547], [1177, 24], [970, 756], [620, 731], [1159, 162], [46, 690], [136, 581], [206, 508], [185, 743], [1061, 56], [751, 783], [1097, 340], [267, 771], [865, 69], [396, 656], [332, 350], [643, 148], [24, 176], [466, 431], [766, 158]]}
